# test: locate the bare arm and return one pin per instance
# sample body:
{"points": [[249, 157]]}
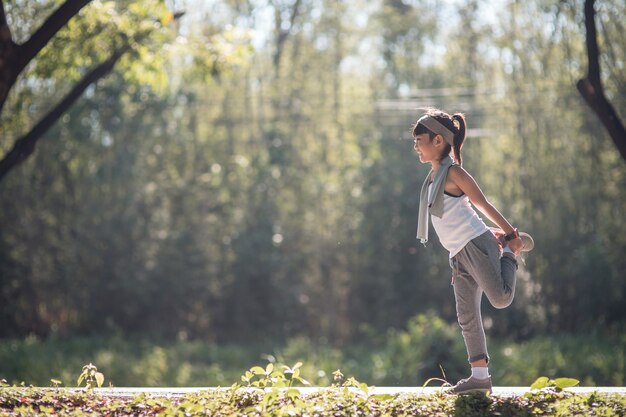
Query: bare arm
{"points": [[467, 184]]}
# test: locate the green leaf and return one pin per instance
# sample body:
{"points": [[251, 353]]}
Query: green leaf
{"points": [[382, 397], [269, 368], [540, 383], [292, 393], [566, 382], [257, 370], [99, 378], [363, 387]]}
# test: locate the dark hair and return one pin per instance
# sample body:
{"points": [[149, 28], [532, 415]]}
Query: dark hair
{"points": [[455, 123]]}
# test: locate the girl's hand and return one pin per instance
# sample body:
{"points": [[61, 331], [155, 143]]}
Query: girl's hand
{"points": [[516, 245]]}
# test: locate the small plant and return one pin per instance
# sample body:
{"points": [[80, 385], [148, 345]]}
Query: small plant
{"points": [[271, 380], [91, 377], [337, 376], [443, 380], [56, 382], [558, 384], [270, 377]]}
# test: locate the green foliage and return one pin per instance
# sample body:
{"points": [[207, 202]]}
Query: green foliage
{"points": [[472, 405], [558, 384], [90, 376], [274, 378], [101, 29], [269, 392], [133, 362], [340, 400]]}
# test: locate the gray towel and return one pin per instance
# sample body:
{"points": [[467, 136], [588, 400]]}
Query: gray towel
{"points": [[434, 202]]}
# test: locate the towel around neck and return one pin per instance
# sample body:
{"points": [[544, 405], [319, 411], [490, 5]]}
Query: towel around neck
{"points": [[432, 203]]}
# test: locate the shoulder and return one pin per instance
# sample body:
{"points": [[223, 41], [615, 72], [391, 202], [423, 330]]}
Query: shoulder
{"points": [[459, 176], [457, 171]]}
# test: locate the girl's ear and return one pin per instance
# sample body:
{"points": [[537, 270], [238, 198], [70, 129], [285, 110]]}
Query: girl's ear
{"points": [[438, 140]]}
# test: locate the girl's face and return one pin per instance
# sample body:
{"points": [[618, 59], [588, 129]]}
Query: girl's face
{"points": [[425, 148]]}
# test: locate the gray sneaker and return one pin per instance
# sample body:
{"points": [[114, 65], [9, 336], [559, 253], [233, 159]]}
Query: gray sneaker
{"points": [[471, 384]]}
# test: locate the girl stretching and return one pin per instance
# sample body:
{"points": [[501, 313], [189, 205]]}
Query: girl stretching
{"points": [[483, 259]]}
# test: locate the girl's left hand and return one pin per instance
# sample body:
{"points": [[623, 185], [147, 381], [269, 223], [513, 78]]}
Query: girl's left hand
{"points": [[516, 245]]}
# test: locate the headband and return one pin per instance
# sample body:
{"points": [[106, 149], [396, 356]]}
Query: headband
{"points": [[437, 128]]}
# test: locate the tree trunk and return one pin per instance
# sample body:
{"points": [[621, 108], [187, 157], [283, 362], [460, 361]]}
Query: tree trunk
{"points": [[591, 87]]}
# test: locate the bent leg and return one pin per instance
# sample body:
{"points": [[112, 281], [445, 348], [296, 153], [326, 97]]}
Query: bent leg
{"points": [[493, 273]]}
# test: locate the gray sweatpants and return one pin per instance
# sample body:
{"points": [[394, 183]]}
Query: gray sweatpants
{"points": [[479, 268]]}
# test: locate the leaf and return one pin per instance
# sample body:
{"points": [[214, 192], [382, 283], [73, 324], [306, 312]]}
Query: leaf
{"points": [[292, 393], [382, 397], [99, 378], [297, 365], [269, 368], [566, 382], [363, 387], [540, 383], [428, 381], [337, 375], [257, 370]]}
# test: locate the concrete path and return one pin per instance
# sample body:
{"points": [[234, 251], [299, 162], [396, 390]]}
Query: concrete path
{"points": [[499, 391]]}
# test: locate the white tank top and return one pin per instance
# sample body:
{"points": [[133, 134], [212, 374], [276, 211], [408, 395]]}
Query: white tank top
{"points": [[459, 224]]}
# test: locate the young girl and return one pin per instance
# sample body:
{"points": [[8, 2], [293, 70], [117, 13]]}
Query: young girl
{"points": [[483, 259]]}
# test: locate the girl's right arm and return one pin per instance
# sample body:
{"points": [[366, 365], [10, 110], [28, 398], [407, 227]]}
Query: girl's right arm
{"points": [[467, 184]]}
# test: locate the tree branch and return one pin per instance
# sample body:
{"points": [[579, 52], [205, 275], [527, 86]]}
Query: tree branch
{"points": [[591, 87], [57, 20], [593, 52], [8, 51], [14, 57], [25, 146]]}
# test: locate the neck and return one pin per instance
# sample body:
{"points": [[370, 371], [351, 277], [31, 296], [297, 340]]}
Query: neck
{"points": [[436, 164]]}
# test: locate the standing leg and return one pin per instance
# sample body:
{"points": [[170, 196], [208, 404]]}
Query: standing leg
{"points": [[468, 295]]}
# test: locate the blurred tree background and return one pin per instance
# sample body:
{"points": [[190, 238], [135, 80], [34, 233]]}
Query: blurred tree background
{"points": [[246, 176]]}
